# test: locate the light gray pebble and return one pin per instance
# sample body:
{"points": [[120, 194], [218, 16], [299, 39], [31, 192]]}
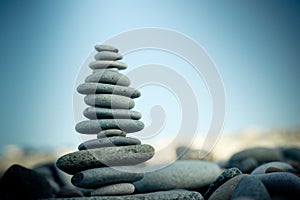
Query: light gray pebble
{"points": [[95, 126], [115, 189], [108, 55], [111, 133], [108, 77], [107, 113], [103, 47], [109, 101], [108, 142], [106, 64]]}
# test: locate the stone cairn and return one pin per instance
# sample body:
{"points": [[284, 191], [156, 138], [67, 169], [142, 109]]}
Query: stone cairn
{"points": [[110, 118]]}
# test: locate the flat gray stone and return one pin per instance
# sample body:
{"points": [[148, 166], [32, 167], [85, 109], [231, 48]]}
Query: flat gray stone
{"points": [[100, 88], [111, 133], [250, 188], [108, 55], [103, 47], [261, 154], [280, 165], [225, 176], [108, 77], [107, 113], [108, 156], [115, 189], [224, 192], [98, 177], [95, 126], [166, 195], [109, 101], [108, 142], [182, 174], [105, 64]]}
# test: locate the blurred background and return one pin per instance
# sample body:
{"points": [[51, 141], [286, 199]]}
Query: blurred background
{"points": [[254, 44]]}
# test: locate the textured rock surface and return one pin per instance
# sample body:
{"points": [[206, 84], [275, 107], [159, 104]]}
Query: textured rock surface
{"points": [[252, 188], [108, 156], [106, 113], [180, 174], [167, 195], [109, 101], [224, 192], [280, 165], [95, 126], [108, 142], [101, 64], [94, 178], [115, 189], [97, 88], [108, 77]]}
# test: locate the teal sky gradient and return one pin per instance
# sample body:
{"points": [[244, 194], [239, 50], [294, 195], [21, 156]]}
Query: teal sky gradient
{"points": [[255, 45]]}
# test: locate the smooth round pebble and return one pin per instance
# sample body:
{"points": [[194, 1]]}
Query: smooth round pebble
{"points": [[261, 154], [109, 101], [101, 88], [95, 126], [108, 77], [108, 156], [108, 55], [103, 47], [115, 189], [280, 165], [282, 184], [111, 133], [182, 174], [95, 178], [106, 113], [105, 64], [252, 188], [108, 142], [69, 192], [224, 192]]}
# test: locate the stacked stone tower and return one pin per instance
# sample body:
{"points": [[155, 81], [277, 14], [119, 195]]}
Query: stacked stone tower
{"points": [[110, 118]]}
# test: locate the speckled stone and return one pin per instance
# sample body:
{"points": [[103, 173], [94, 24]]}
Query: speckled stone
{"points": [[106, 113], [261, 154], [182, 174], [108, 156], [224, 192], [252, 188], [167, 195], [108, 142], [100, 88], [111, 133], [115, 189], [109, 101], [95, 126], [281, 184], [103, 47], [280, 165], [98, 177], [104, 64], [108, 55], [225, 176], [108, 77]]}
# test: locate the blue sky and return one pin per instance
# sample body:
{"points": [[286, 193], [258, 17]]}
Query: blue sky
{"points": [[255, 45]]}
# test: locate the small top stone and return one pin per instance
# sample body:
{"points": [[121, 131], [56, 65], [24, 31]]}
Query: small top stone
{"points": [[103, 47], [107, 55]]}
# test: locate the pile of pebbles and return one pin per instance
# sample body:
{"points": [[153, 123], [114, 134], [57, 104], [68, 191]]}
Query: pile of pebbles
{"points": [[110, 118]]}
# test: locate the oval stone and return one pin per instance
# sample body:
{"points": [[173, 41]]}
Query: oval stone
{"points": [[280, 165], [108, 55], [111, 133], [109, 77], [95, 178], [100, 88], [182, 174], [108, 142], [95, 126], [108, 156], [103, 47], [107, 113], [115, 189], [109, 101], [106, 64]]}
